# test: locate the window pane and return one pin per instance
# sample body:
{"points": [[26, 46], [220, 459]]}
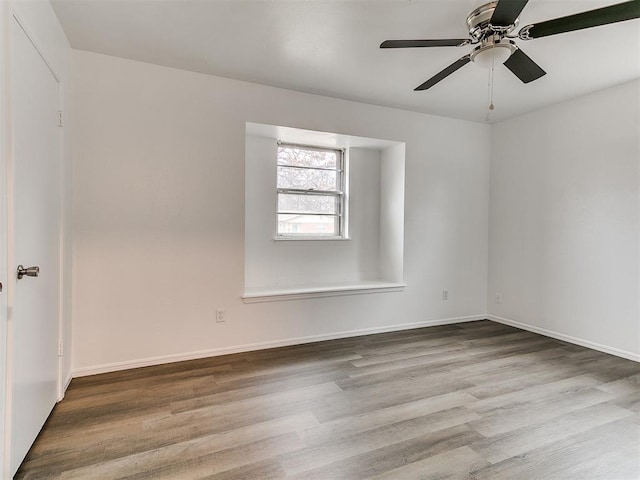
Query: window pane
{"points": [[305, 178], [300, 203], [307, 158], [318, 225]]}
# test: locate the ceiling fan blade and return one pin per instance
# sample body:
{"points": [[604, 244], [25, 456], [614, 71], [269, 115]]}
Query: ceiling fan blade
{"points": [[506, 12], [445, 42], [592, 18], [523, 67], [444, 73]]}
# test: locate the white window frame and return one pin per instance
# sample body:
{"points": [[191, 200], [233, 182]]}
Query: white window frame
{"points": [[340, 194]]}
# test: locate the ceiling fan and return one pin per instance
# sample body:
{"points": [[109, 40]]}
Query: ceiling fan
{"points": [[491, 26]]}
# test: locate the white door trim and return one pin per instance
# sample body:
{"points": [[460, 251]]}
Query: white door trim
{"points": [[34, 42], [5, 149]]}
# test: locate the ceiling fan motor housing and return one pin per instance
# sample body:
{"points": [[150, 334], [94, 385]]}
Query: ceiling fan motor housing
{"points": [[479, 23]]}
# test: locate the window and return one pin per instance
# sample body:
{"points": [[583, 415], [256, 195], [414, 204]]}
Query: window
{"points": [[311, 193]]}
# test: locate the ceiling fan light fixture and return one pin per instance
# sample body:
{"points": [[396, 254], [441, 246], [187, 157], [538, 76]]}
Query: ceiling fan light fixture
{"points": [[492, 26], [490, 55]]}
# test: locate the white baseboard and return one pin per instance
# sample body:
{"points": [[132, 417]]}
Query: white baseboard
{"points": [[567, 338], [179, 357], [65, 385], [67, 381]]}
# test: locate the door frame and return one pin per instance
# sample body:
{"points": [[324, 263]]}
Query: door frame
{"points": [[5, 139], [7, 298]]}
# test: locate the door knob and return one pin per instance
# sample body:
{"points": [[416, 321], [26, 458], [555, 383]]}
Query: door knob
{"points": [[28, 272]]}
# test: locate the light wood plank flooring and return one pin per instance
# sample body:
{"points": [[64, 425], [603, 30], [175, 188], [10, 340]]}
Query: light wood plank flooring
{"points": [[470, 401]]}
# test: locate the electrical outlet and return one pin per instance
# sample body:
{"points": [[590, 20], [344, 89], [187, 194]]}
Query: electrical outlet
{"points": [[445, 294], [498, 298], [220, 318]]}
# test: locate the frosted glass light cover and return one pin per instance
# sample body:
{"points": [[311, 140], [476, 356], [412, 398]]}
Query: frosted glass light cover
{"points": [[492, 56]]}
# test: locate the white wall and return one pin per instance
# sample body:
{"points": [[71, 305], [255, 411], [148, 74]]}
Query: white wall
{"points": [[565, 220], [392, 174], [159, 214]]}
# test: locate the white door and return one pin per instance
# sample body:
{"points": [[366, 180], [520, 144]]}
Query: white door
{"points": [[35, 236]]}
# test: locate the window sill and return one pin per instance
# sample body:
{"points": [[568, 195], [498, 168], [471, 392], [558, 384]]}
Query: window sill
{"points": [[311, 239], [283, 294]]}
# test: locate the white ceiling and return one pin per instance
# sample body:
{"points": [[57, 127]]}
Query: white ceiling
{"points": [[331, 48]]}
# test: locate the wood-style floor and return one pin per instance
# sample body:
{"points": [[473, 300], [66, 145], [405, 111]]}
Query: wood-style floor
{"points": [[469, 401]]}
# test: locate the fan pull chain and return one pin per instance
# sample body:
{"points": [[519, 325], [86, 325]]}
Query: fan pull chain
{"points": [[491, 107], [490, 91]]}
